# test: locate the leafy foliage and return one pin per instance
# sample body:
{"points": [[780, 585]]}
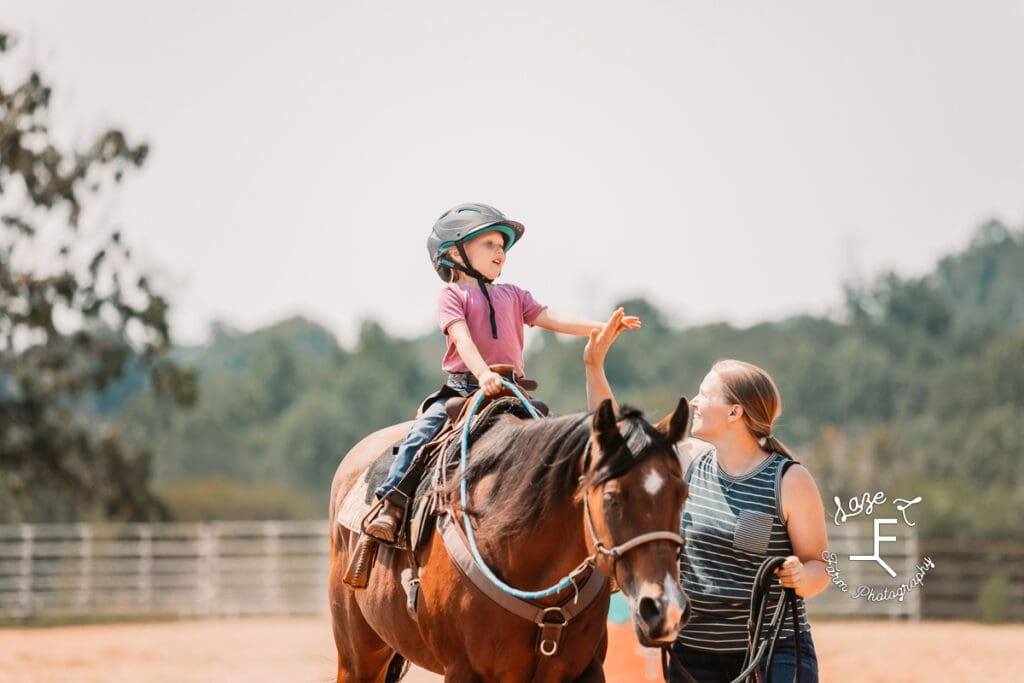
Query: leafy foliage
{"points": [[74, 315], [912, 391], [280, 406]]}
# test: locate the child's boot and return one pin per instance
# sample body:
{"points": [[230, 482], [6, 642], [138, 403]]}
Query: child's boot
{"points": [[387, 523]]}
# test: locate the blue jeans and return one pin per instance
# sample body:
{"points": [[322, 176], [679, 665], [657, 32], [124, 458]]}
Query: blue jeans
{"points": [[422, 431], [722, 667]]}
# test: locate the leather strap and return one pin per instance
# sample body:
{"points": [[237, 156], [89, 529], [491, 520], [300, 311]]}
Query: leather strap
{"points": [[357, 574], [551, 621]]}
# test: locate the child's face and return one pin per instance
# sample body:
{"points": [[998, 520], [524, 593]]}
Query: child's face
{"points": [[486, 253]]}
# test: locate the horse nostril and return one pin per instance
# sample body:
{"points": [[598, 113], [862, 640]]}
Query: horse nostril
{"points": [[650, 611], [686, 614]]}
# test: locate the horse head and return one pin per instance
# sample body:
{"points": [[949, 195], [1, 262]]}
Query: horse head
{"points": [[633, 492]]}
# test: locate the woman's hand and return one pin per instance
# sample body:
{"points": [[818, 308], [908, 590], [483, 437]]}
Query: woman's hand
{"points": [[602, 338], [791, 573]]}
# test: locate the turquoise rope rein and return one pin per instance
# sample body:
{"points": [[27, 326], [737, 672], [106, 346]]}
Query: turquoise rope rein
{"points": [[523, 595]]}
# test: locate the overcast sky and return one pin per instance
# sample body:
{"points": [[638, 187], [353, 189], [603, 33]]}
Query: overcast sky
{"points": [[730, 161]]}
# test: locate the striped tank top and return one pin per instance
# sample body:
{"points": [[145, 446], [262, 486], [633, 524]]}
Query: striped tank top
{"points": [[730, 524]]}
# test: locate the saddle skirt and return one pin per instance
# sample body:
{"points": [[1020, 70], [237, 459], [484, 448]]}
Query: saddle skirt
{"points": [[354, 506], [359, 501]]}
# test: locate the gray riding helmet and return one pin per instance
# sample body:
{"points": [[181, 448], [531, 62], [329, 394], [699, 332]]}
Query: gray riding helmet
{"points": [[463, 222]]}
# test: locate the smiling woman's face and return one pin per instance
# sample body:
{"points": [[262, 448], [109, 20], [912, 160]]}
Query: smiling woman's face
{"points": [[710, 410]]}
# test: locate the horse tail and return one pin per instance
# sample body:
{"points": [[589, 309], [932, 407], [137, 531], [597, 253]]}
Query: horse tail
{"points": [[397, 669]]}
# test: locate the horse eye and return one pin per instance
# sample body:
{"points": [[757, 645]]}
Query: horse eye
{"points": [[612, 498]]}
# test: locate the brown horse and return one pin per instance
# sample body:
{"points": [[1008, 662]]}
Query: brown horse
{"points": [[546, 496]]}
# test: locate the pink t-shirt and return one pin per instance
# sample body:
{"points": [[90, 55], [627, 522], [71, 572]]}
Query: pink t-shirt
{"points": [[513, 308]]}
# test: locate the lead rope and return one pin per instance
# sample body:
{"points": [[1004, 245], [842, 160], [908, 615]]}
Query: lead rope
{"points": [[563, 584], [759, 606], [758, 609]]}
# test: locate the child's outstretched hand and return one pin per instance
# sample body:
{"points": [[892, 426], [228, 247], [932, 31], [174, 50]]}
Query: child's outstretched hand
{"points": [[630, 322]]}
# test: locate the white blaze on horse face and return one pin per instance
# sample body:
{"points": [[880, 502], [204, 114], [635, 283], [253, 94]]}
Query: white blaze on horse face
{"points": [[676, 601], [653, 482], [670, 597]]}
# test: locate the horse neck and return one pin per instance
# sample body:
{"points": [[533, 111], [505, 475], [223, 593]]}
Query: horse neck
{"points": [[541, 554]]}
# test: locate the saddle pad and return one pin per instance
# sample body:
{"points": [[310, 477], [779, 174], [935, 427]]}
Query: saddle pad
{"points": [[354, 506], [360, 499]]}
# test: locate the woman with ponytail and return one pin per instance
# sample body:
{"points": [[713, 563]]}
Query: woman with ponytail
{"points": [[748, 499]]}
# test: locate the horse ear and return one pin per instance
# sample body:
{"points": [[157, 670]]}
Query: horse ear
{"points": [[604, 424], [674, 425]]}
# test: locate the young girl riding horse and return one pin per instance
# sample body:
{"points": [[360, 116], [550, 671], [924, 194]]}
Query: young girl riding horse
{"points": [[483, 327]]}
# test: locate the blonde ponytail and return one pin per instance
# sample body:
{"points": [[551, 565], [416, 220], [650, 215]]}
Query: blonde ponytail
{"points": [[749, 386], [773, 445]]}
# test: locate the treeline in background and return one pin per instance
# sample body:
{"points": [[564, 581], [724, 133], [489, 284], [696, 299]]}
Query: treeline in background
{"points": [[916, 389]]}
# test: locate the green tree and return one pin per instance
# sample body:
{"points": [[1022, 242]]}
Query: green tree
{"points": [[984, 281], [905, 394], [382, 381], [71, 326], [249, 384], [313, 436]]}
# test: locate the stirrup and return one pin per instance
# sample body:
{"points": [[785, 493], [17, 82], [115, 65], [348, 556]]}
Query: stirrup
{"points": [[357, 574]]}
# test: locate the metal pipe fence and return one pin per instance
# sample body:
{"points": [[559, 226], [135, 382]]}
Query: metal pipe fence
{"points": [[82, 571], [135, 570]]}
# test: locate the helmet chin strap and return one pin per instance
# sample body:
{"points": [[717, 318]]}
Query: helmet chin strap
{"points": [[469, 270]]}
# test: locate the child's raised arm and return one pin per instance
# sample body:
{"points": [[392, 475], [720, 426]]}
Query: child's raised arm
{"points": [[581, 327]]}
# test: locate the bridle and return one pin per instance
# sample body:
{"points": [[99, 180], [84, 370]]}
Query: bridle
{"points": [[617, 551]]}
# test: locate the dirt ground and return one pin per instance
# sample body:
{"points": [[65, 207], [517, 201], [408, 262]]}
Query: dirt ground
{"points": [[259, 650]]}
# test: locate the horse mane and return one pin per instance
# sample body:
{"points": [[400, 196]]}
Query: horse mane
{"points": [[641, 440], [535, 463]]}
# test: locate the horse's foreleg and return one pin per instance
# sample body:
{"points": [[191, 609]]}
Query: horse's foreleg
{"points": [[362, 656], [458, 674], [594, 673]]}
